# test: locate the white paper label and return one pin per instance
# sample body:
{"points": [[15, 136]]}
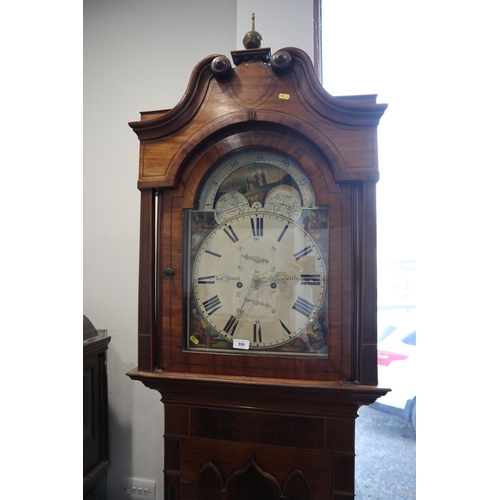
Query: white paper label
{"points": [[241, 344]]}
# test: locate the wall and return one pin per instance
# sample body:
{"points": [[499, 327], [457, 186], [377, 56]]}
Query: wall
{"points": [[138, 56]]}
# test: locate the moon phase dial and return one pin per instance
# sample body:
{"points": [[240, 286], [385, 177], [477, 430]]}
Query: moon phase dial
{"points": [[259, 179]]}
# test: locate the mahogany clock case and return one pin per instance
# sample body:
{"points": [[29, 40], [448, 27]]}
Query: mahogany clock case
{"points": [[271, 421], [334, 142], [174, 356]]}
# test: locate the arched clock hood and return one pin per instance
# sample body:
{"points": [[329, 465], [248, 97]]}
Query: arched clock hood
{"points": [[280, 91]]}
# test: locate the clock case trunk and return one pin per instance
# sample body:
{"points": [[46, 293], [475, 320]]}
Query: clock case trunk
{"points": [[259, 102]]}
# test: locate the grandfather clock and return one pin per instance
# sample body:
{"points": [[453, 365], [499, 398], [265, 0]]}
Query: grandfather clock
{"points": [[257, 277]]}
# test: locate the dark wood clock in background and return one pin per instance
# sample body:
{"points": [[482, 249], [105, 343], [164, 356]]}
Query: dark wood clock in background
{"points": [[257, 279]]}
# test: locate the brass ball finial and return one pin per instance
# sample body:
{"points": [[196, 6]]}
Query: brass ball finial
{"points": [[253, 39]]}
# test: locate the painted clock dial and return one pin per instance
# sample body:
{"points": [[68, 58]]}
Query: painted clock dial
{"points": [[257, 270], [264, 177]]}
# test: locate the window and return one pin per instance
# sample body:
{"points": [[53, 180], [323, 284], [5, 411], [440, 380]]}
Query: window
{"points": [[411, 339], [360, 54]]}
